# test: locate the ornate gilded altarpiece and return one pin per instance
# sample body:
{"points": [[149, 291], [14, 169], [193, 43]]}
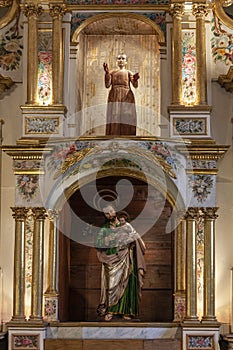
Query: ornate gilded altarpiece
{"points": [[63, 147]]}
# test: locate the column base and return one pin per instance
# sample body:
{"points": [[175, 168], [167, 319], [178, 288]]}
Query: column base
{"points": [[38, 320], [209, 319], [191, 319], [18, 319]]}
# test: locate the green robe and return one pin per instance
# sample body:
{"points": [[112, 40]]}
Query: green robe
{"points": [[119, 279]]}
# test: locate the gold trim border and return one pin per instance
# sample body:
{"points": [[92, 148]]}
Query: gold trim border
{"points": [[9, 16], [222, 15]]}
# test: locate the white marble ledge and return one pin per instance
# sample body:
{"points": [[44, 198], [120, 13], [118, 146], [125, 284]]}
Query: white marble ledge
{"points": [[103, 332]]}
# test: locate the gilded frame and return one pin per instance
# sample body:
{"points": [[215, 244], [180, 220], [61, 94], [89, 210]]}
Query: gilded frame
{"points": [[11, 13], [219, 5]]}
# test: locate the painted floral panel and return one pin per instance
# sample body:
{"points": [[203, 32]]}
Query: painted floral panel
{"points": [[41, 125], [118, 2], [201, 164], [45, 66], [190, 126], [11, 48], [28, 249], [25, 341], [188, 66], [27, 186], [201, 185], [179, 308], [50, 308], [200, 264], [200, 342], [221, 42]]}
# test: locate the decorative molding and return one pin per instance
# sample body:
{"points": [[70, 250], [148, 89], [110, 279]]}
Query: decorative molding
{"points": [[5, 84], [41, 125], [189, 126], [200, 342], [226, 80]]}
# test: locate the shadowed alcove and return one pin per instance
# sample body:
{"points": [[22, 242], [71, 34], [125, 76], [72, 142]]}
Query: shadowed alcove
{"points": [[80, 271]]}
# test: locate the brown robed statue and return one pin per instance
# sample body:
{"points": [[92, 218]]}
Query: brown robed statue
{"points": [[121, 109]]}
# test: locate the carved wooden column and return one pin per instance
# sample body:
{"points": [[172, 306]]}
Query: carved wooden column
{"points": [[180, 258], [39, 215], [209, 265], [32, 11], [200, 11], [191, 269], [56, 12], [20, 215], [177, 12], [51, 294]]}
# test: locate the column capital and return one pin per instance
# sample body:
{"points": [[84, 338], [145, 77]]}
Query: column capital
{"points": [[192, 213], [39, 213], [32, 10], [210, 213], [52, 214], [200, 10], [19, 213], [177, 10], [57, 11]]}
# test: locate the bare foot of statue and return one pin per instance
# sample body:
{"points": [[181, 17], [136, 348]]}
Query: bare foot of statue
{"points": [[128, 318], [108, 317]]}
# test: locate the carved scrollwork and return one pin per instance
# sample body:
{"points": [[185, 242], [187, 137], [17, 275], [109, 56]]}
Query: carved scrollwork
{"points": [[5, 84]]}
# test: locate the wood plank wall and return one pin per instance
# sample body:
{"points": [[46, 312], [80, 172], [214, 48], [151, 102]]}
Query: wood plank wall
{"points": [[84, 285]]}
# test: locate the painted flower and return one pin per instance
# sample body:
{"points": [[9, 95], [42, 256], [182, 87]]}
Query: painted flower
{"points": [[12, 46], [189, 59], [8, 59], [222, 41], [27, 342], [44, 78], [45, 57], [189, 70]]}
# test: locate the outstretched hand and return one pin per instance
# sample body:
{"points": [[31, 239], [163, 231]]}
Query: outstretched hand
{"points": [[105, 65], [136, 76]]}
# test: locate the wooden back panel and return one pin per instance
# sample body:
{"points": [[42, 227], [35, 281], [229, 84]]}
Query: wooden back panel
{"points": [[84, 283]]}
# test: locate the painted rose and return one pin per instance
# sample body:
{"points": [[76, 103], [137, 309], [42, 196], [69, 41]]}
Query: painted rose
{"points": [[44, 78], [45, 57], [189, 59], [189, 70], [27, 341]]}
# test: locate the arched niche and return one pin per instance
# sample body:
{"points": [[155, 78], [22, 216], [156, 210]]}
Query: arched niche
{"points": [[80, 273], [79, 270], [100, 39]]}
